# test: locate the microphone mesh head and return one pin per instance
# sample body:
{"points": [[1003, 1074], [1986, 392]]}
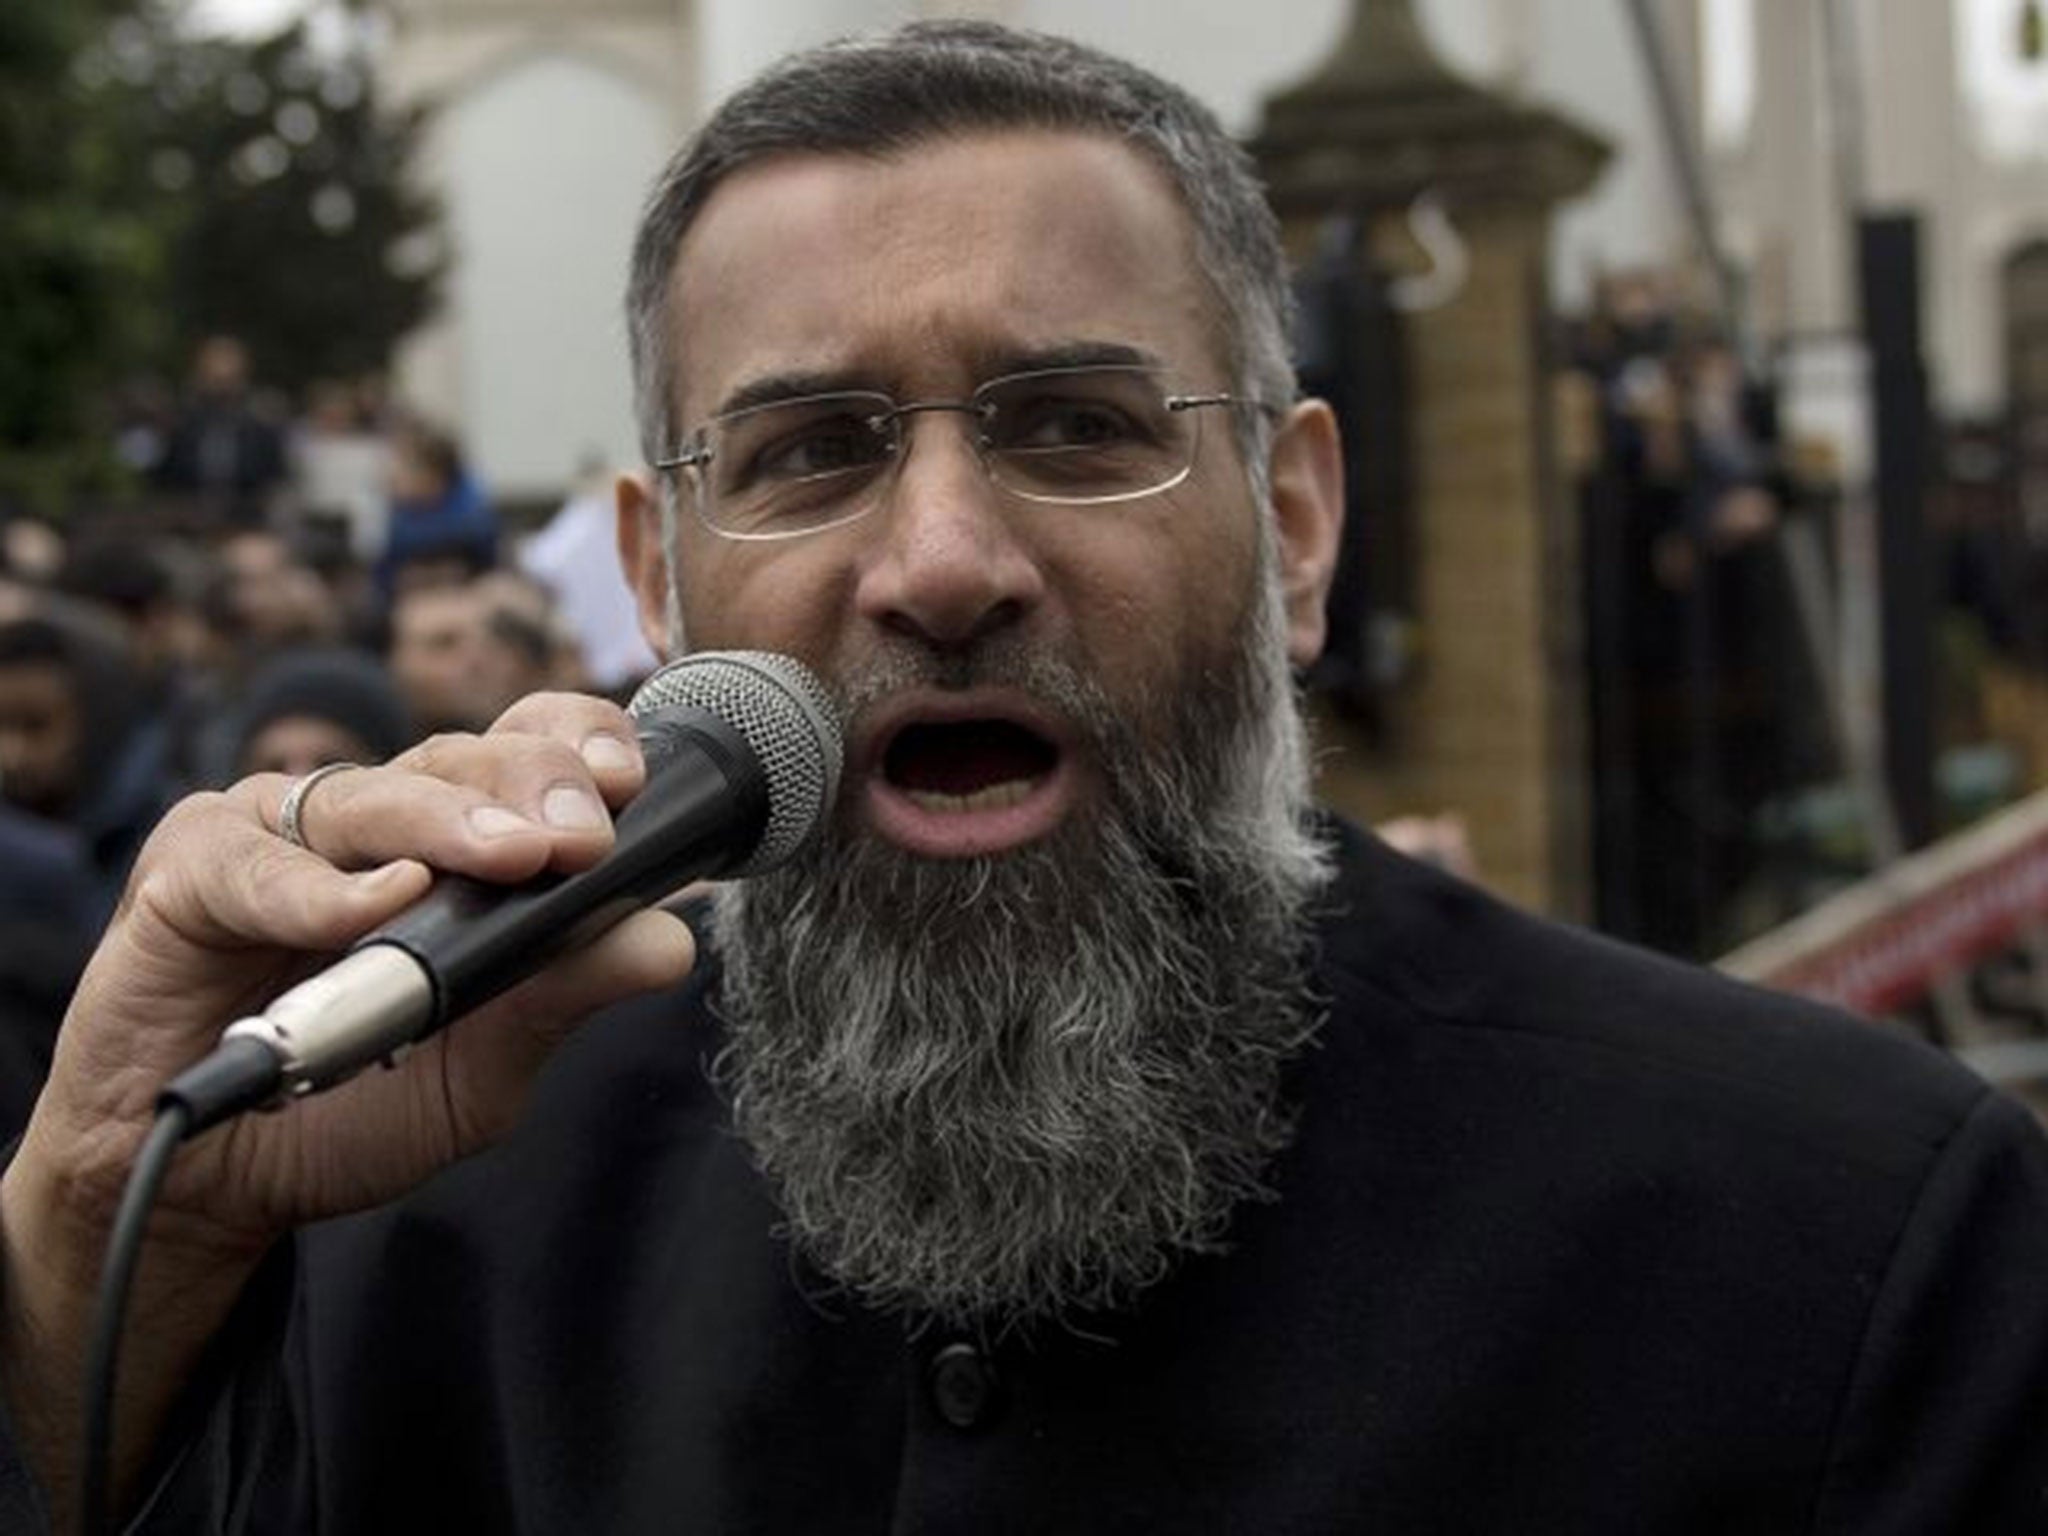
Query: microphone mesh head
{"points": [[781, 710]]}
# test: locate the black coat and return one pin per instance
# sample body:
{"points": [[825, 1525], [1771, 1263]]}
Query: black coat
{"points": [[1571, 1240]]}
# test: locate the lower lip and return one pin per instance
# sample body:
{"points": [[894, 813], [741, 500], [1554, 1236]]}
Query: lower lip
{"points": [[967, 833]]}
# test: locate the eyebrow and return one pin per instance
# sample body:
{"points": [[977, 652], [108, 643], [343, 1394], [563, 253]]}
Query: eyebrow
{"points": [[796, 384], [1075, 354], [774, 387]]}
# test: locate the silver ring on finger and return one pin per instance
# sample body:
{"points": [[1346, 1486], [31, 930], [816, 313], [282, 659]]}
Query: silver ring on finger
{"points": [[290, 824]]}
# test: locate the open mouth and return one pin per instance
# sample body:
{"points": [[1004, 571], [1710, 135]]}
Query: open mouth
{"points": [[968, 765], [955, 778]]}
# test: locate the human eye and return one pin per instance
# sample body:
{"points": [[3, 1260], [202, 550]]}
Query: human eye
{"points": [[1057, 421], [787, 468], [1081, 412], [788, 445]]}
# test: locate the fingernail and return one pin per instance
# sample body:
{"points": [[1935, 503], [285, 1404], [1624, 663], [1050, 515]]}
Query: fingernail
{"points": [[569, 805], [496, 821], [602, 751]]}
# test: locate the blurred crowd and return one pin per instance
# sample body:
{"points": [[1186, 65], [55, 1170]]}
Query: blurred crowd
{"points": [[1721, 804], [292, 589], [1704, 707]]}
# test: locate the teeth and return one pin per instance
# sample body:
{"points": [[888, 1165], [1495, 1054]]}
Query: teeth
{"points": [[994, 797]]}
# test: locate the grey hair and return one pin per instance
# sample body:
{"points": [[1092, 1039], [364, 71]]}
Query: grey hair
{"points": [[880, 95]]}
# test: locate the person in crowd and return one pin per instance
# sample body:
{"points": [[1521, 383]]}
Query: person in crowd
{"points": [[305, 709], [434, 642], [153, 586], [540, 650], [49, 913], [453, 562], [459, 661], [79, 745], [260, 594], [146, 584], [258, 599], [263, 598], [1082, 1133], [439, 513], [1706, 711], [224, 457]]}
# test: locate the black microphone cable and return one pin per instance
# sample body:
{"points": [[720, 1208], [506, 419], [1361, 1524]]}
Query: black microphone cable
{"points": [[117, 1278], [233, 1073]]}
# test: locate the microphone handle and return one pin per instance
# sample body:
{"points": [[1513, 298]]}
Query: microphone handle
{"points": [[475, 939]]}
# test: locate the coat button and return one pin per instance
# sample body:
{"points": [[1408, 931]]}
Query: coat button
{"points": [[963, 1386]]}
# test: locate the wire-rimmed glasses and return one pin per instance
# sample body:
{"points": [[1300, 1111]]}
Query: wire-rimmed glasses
{"points": [[1075, 436]]}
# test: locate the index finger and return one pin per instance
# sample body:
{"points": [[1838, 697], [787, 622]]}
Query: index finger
{"points": [[599, 730]]}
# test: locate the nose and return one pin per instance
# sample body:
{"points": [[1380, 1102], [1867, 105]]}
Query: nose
{"points": [[950, 564]]}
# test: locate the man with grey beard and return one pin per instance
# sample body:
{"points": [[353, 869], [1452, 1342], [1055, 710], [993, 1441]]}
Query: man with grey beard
{"points": [[1013, 1087], [1085, 1134]]}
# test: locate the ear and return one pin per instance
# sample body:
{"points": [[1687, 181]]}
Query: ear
{"points": [[1307, 466], [642, 555]]}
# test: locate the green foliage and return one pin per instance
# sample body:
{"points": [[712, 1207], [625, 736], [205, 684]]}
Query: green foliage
{"points": [[299, 230], [156, 188], [76, 266]]}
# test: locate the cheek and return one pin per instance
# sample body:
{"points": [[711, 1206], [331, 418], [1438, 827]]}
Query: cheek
{"points": [[1163, 592], [795, 598]]}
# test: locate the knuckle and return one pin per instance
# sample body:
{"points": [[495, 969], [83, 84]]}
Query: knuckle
{"points": [[440, 755], [558, 714], [185, 879], [194, 819], [546, 758], [151, 888], [605, 713], [247, 793], [184, 812], [207, 804]]}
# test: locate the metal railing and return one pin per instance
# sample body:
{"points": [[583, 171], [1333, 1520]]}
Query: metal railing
{"points": [[1912, 934]]}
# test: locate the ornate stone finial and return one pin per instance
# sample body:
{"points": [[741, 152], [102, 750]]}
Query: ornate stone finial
{"points": [[1383, 119], [1383, 51]]}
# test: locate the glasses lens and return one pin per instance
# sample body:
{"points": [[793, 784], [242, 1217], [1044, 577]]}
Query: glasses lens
{"points": [[1085, 434], [796, 465]]}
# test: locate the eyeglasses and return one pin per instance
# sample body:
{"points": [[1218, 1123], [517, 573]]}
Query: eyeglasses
{"points": [[1084, 436]]}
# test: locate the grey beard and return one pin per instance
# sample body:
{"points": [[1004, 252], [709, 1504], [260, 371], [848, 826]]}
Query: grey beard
{"points": [[998, 1089]]}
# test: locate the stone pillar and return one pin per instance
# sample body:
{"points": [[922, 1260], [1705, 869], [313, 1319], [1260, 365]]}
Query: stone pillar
{"points": [[551, 119], [1491, 724]]}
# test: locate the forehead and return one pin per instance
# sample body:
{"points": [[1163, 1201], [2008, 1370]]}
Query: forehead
{"points": [[436, 608], [927, 268]]}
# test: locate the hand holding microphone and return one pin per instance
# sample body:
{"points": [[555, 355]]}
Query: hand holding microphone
{"points": [[223, 918], [743, 764]]}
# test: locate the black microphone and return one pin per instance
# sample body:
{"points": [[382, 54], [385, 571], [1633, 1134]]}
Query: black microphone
{"points": [[743, 754]]}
